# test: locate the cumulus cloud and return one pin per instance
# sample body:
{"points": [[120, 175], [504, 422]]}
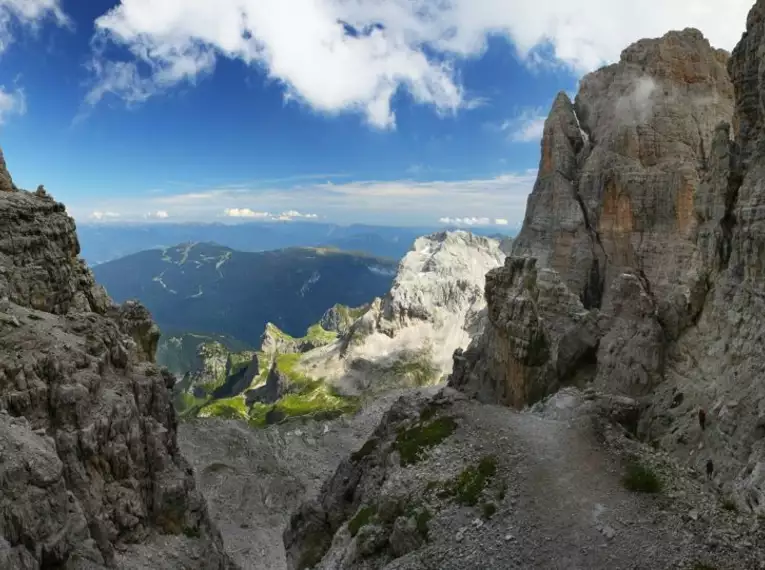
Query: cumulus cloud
{"points": [[27, 13], [336, 55], [501, 222], [283, 217], [394, 202], [245, 213], [158, 215], [101, 216], [472, 221], [11, 103]]}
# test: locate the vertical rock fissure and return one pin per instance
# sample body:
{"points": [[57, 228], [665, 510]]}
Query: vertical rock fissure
{"points": [[728, 221], [592, 296]]}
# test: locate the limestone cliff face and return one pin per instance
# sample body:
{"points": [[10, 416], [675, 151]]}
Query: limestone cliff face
{"points": [[620, 167], [90, 472], [659, 272], [436, 304], [613, 216]]}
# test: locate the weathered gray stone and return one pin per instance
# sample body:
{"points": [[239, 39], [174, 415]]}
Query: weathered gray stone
{"points": [[88, 452]]}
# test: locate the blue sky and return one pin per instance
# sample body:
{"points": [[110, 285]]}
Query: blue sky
{"points": [[395, 112]]}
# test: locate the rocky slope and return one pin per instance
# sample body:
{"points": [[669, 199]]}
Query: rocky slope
{"points": [[90, 471], [641, 263], [354, 354], [639, 272], [448, 483], [436, 304]]}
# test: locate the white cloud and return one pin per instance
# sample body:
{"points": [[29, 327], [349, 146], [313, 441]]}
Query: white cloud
{"points": [[501, 222], [11, 103], [406, 202], [474, 221], [283, 217], [28, 13], [245, 213], [100, 216], [396, 44], [158, 215]]}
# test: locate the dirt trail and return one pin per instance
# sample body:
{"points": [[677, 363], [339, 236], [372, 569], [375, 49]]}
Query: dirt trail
{"points": [[566, 507]]}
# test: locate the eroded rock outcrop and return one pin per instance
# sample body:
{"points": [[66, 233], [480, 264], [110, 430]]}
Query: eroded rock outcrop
{"points": [[666, 253], [90, 471], [436, 305], [613, 222]]}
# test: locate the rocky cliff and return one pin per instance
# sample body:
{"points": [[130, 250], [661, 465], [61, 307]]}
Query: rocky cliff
{"points": [[641, 260], [436, 304], [90, 471]]}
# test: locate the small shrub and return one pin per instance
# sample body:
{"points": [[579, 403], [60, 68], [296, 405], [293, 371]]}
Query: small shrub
{"points": [[641, 479], [471, 482], [488, 510], [191, 532], [363, 516], [729, 505], [422, 518], [412, 443]]}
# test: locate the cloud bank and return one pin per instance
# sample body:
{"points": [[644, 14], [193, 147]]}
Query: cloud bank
{"points": [[338, 55], [247, 213], [500, 200]]}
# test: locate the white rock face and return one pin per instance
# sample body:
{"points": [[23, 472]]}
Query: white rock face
{"points": [[434, 307]]}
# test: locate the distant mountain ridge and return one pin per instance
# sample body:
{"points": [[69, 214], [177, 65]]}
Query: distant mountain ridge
{"points": [[210, 289], [107, 242]]}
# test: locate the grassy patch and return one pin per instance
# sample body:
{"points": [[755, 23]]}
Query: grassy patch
{"points": [[413, 443], [318, 398], [471, 482], [227, 408], [317, 336], [315, 400], [363, 517], [641, 478], [419, 370]]}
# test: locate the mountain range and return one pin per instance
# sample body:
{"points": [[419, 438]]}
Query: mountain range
{"points": [[210, 289], [105, 242]]}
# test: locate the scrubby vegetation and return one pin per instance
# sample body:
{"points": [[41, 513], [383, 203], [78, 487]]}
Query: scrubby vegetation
{"points": [[412, 443], [468, 487], [363, 517], [227, 408], [419, 369], [641, 478]]}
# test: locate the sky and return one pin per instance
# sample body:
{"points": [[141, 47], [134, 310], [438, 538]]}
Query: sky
{"points": [[396, 112]]}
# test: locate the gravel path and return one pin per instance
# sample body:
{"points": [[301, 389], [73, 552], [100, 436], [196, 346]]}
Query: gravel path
{"points": [[566, 507]]}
